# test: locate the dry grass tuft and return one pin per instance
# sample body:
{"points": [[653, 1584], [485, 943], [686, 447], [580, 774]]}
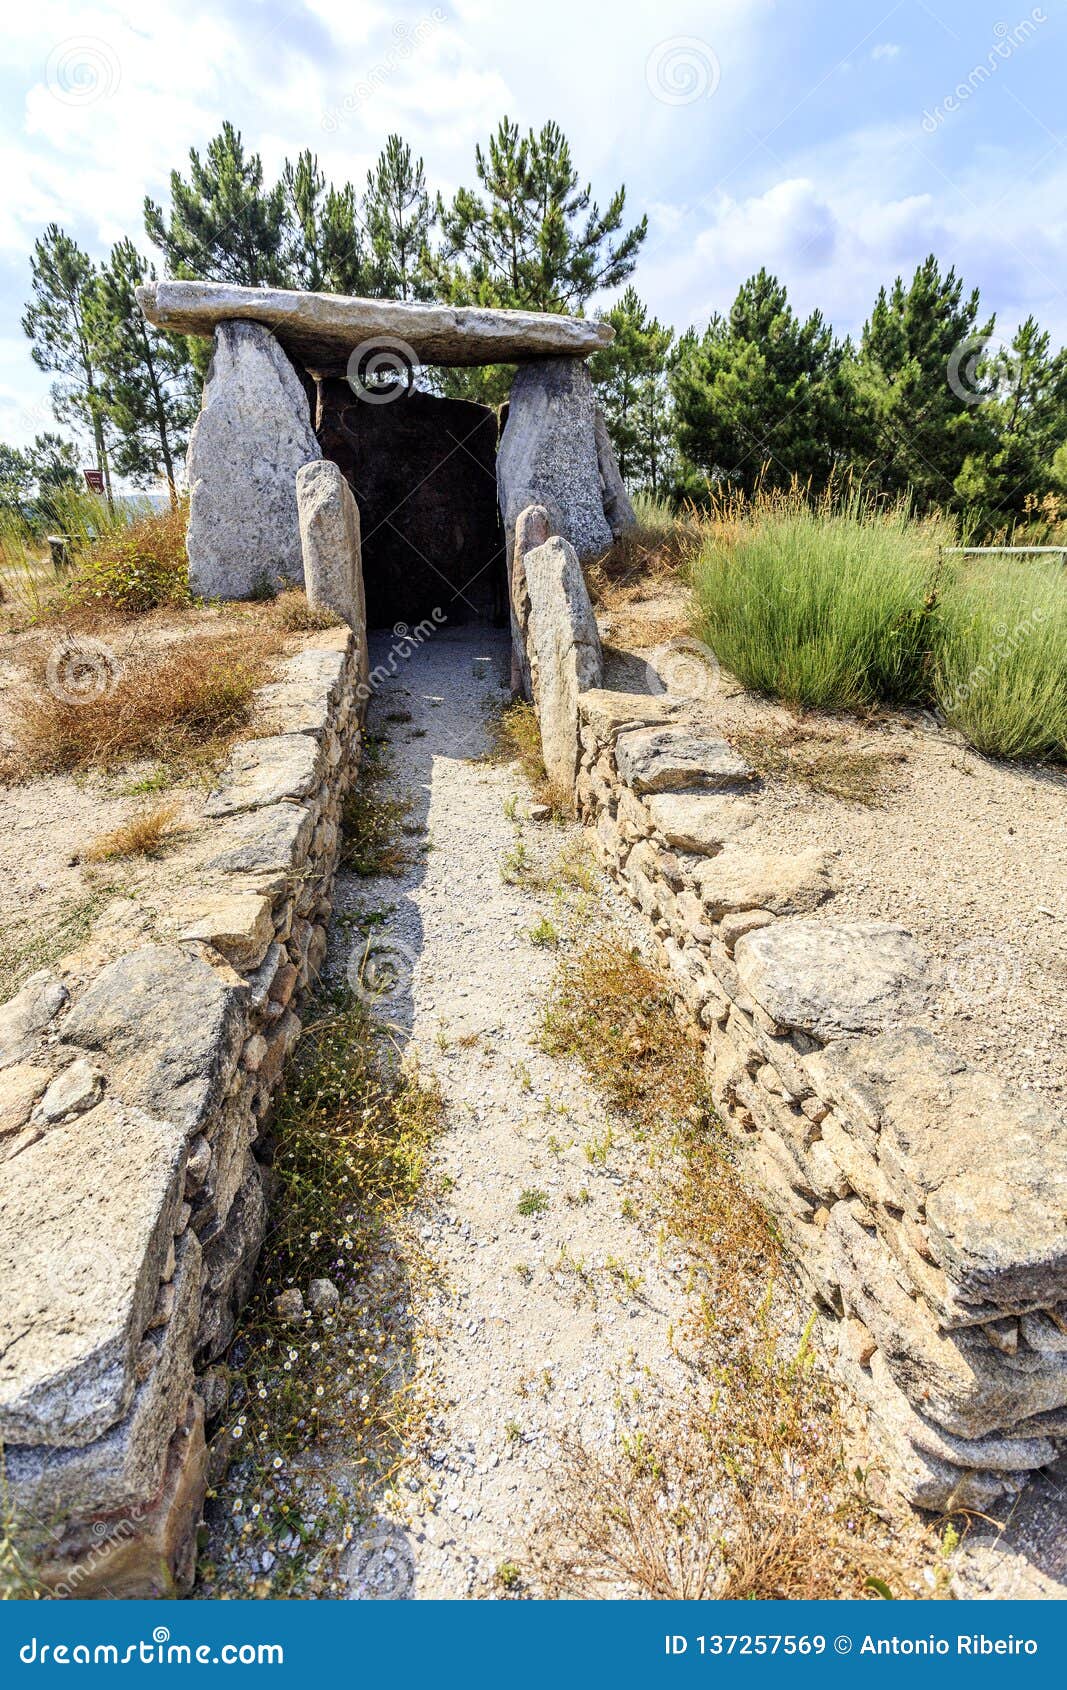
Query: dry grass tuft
{"points": [[742, 1487], [611, 1010], [142, 566], [823, 761], [292, 612], [373, 823], [141, 836], [175, 706], [515, 737]]}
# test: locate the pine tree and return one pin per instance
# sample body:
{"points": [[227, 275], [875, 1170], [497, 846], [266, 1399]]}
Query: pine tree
{"points": [[223, 226], [536, 240], [58, 320], [53, 464], [916, 419], [152, 396], [761, 396], [398, 217], [1019, 427], [632, 387], [324, 249]]}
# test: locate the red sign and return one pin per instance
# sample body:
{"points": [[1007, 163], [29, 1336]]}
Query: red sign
{"points": [[94, 480]]}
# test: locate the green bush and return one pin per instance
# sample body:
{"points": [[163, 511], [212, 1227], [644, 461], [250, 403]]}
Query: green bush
{"points": [[844, 605], [822, 606], [138, 566], [1001, 656]]}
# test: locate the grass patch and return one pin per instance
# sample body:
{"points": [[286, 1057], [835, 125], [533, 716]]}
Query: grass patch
{"points": [[515, 737], [1001, 661], [741, 1487], [292, 612], [177, 706], [532, 1202], [611, 1010], [827, 606], [319, 1412], [821, 761], [142, 836], [373, 823], [36, 944], [846, 604]]}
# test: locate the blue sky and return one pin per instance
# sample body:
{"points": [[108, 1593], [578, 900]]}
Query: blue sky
{"points": [[836, 143]]}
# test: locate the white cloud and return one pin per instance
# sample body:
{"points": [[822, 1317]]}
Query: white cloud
{"points": [[886, 50]]}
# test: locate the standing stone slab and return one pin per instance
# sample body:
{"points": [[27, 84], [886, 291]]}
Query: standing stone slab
{"points": [[252, 435], [613, 495], [564, 653], [548, 454], [330, 543]]}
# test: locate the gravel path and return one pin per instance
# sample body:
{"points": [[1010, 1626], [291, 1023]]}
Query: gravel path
{"points": [[542, 1323]]}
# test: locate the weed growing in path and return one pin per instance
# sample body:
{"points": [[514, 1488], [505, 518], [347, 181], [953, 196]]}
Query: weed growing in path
{"points": [[320, 1410]]}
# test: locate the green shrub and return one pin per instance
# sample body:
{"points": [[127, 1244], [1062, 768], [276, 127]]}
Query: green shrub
{"points": [[823, 606], [1001, 656], [137, 566]]}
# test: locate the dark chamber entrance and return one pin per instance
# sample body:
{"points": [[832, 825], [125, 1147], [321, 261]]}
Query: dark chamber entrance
{"points": [[423, 470]]}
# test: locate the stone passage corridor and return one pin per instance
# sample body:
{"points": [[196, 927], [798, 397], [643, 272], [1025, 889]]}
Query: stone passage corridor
{"points": [[531, 1332]]}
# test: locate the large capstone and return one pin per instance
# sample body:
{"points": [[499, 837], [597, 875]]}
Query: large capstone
{"points": [[548, 453], [323, 329], [252, 435], [423, 471]]}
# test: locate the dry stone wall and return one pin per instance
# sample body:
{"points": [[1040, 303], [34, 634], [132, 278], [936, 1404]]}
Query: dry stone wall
{"points": [[133, 1105], [921, 1201]]}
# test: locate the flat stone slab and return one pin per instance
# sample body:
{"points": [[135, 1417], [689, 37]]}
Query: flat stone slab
{"points": [[266, 846], [664, 759], [699, 821], [985, 1168], [833, 977], [323, 329], [170, 1025], [264, 771], [610, 713], [125, 1466], [88, 1217], [783, 883], [27, 1014]]}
